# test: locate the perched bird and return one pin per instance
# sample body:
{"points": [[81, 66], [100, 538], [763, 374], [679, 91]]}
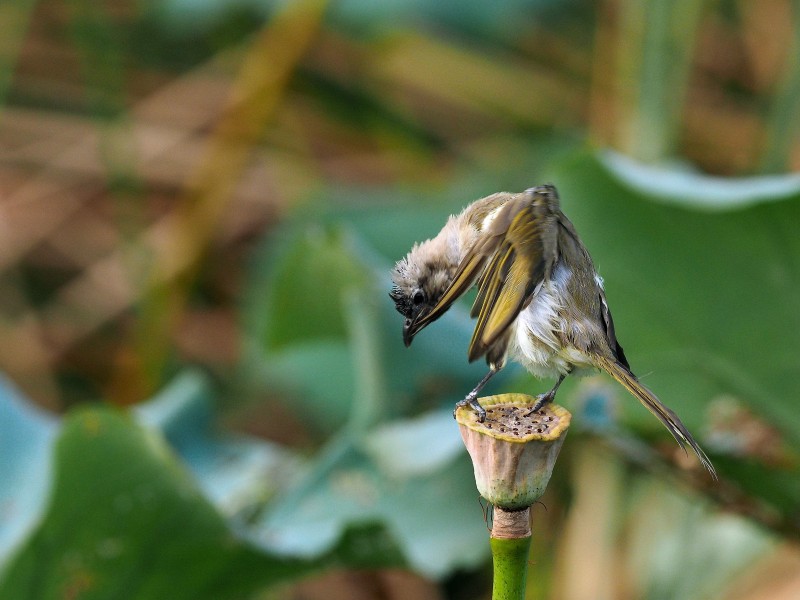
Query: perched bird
{"points": [[539, 297]]}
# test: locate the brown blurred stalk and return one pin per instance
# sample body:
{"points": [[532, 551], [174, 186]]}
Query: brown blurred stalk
{"points": [[257, 94]]}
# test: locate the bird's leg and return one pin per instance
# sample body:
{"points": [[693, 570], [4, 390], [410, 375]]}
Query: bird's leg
{"points": [[471, 399], [547, 397]]}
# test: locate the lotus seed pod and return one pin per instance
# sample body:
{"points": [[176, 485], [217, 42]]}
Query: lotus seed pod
{"points": [[513, 451]]}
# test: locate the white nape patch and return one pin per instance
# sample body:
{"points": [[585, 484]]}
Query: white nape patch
{"points": [[453, 241], [487, 220], [599, 281]]}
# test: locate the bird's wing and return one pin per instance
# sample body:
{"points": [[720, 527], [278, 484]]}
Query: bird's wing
{"points": [[611, 334], [520, 261], [509, 260]]}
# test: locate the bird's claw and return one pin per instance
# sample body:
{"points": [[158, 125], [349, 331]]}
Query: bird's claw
{"points": [[472, 401], [541, 400]]}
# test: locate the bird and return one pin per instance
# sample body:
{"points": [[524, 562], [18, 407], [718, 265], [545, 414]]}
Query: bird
{"points": [[539, 301]]}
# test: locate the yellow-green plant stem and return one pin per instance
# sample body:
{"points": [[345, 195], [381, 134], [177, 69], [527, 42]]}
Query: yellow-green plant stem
{"points": [[510, 559]]}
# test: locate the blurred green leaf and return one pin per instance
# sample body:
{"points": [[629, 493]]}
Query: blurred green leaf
{"points": [[125, 521], [235, 471], [418, 446], [297, 315], [686, 187], [318, 378], [433, 515], [150, 526], [305, 300]]}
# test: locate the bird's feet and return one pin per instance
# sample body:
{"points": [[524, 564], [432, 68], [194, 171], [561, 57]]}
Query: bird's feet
{"points": [[471, 399], [541, 400]]}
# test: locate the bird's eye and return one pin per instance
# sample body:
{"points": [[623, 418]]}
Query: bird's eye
{"points": [[418, 297]]}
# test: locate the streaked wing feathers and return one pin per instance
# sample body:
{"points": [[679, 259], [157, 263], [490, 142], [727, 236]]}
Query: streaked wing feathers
{"points": [[506, 285]]}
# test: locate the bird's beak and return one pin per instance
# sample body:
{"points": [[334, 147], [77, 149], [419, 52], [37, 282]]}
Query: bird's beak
{"points": [[412, 326], [408, 332]]}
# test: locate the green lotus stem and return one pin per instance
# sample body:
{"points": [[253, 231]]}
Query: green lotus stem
{"points": [[510, 543]]}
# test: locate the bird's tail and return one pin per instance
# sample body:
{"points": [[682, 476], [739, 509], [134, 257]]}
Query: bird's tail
{"points": [[654, 405]]}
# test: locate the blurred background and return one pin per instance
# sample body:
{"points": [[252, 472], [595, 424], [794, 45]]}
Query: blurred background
{"points": [[205, 391]]}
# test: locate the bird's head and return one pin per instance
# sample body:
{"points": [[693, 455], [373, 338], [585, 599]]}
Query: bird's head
{"points": [[419, 281]]}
